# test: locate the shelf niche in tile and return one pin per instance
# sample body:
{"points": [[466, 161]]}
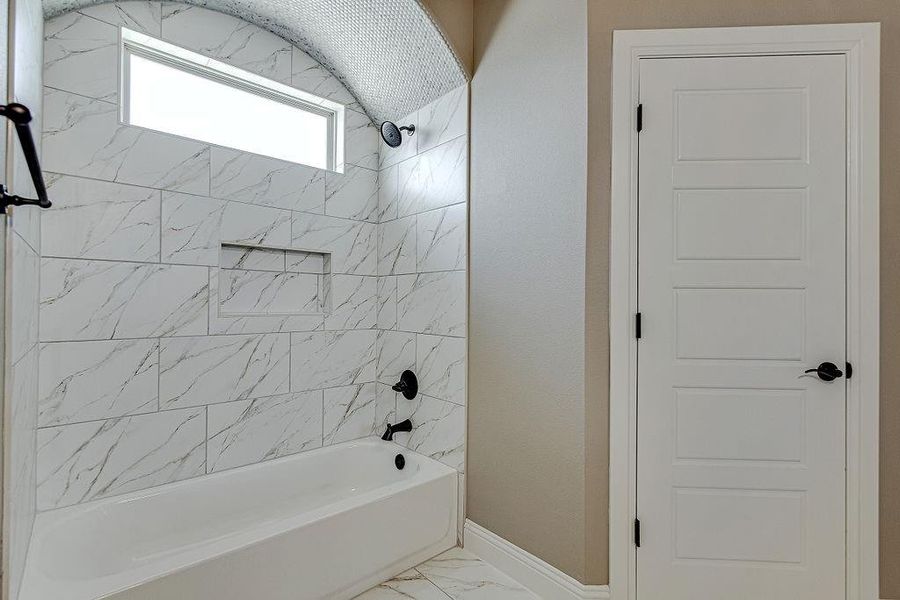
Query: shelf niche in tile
{"points": [[269, 281]]}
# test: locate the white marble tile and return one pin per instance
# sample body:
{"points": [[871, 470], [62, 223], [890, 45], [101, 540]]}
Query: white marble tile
{"points": [[23, 297], [296, 261], [410, 585], [226, 38], [266, 293], [441, 239], [310, 76], [163, 161], [81, 55], [194, 371], [190, 229], [26, 25], [388, 190], [361, 140], [387, 397], [140, 15], [352, 244], [93, 300], [252, 431], [21, 459], [432, 303], [254, 179], [83, 137], [253, 259], [100, 219], [193, 227], [86, 461], [441, 367], [354, 412], [354, 302], [445, 119], [255, 225], [387, 303], [463, 576], [439, 429], [395, 353], [391, 156], [397, 246], [352, 194], [332, 359], [221, 323], [89, 381], [25, 220], [434, 179]]}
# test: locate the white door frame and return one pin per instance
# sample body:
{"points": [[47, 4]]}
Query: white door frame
{"points": [[860, 43]]}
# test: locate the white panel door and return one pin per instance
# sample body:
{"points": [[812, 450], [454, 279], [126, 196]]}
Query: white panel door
{"points": [[742, 200]]}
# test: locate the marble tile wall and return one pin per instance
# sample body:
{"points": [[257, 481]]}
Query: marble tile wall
{"points": [[165, 355], [150, 357], [421, 288], [22, 238]]}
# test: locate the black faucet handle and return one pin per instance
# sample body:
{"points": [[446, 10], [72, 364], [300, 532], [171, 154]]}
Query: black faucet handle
{"points": [[408, 385]]}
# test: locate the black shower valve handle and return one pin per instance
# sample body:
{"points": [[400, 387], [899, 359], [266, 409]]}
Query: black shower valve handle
{"points": [[408, 385]]}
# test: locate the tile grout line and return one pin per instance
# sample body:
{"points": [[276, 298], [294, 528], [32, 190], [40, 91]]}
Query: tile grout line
{"points": [[426, 578]]}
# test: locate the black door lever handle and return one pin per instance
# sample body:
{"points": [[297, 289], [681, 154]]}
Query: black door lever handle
{"points": [[827, 371]]}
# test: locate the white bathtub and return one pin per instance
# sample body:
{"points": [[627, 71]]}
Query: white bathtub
{"points": [[325, 524]]}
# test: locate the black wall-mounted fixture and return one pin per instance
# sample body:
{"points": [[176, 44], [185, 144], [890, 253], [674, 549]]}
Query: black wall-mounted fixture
{"points": [[392, 135], [401, 427], [408, 385], [21, 117]]}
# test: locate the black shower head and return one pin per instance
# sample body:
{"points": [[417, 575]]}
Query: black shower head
{"points": [[391, 135]]}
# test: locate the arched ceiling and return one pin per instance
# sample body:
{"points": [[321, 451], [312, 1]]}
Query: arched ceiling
{"points": [[389, 53]]}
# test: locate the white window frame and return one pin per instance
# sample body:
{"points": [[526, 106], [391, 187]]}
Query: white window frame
{"points": [[860, 44], [145, 46]]}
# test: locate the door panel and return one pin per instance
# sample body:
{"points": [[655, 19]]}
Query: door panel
{"points": [[742, 201]]}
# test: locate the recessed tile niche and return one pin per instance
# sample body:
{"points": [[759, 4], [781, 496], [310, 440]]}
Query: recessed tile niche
{"points": [[270, 281]]}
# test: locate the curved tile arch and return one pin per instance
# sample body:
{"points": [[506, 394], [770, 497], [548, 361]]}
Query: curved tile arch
{"points": [[390, 54]]}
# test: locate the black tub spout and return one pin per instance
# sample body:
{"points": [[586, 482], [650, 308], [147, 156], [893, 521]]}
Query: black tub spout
{"points": [[400, 427]]}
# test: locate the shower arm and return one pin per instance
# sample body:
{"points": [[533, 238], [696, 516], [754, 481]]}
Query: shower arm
{"points": [[21, 117]]}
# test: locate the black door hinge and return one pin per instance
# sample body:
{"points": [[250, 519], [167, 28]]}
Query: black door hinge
{"points": [[640, 117], [637, 325], [849, 371], [637, 533]]}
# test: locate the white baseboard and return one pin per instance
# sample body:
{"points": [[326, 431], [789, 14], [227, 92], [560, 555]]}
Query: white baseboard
{"points": [[548, 582]]}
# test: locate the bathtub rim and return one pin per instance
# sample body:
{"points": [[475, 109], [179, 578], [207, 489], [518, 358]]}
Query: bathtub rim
{"points": [[212, 549]]}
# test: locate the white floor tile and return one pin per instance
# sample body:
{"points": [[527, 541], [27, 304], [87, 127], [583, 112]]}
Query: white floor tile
{"points": [[455, 574]]}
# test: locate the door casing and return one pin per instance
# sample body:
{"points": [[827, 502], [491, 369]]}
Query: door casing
{"points": [[860, 43]]}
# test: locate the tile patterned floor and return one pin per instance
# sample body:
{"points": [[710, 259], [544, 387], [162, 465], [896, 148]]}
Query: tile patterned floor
{"points": [[455, 574]]}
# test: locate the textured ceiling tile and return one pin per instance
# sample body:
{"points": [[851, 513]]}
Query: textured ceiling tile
{"points": [[389, 53]]}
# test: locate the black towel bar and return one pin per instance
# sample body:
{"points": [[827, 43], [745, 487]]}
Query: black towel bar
{"points": [[21, 117]]}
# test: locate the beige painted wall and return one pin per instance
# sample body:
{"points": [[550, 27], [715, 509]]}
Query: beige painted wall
{"points": [[537, 451], [456, 19], [527, 479]]}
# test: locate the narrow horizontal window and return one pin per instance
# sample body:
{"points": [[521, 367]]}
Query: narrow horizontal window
{"points": [[176, 91]]}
